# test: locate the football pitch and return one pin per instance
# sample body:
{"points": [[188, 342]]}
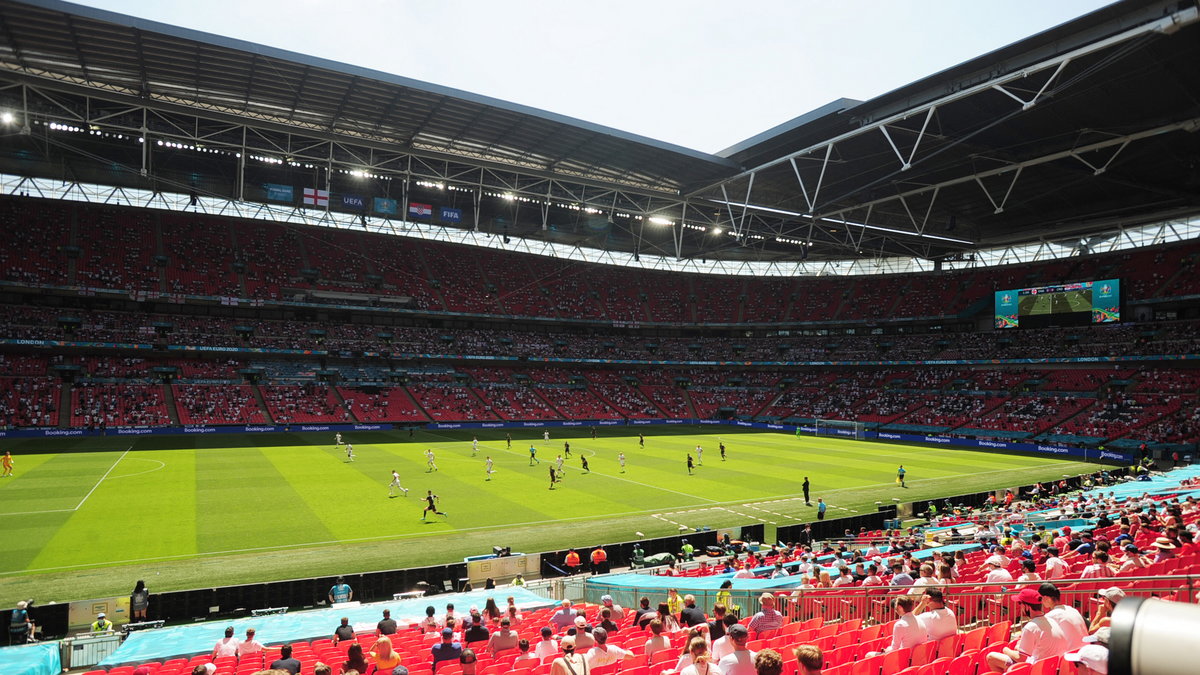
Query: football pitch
{"points": [[1056, 303], [85, 518]]}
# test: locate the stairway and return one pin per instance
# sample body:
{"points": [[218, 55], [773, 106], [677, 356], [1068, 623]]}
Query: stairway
{"points": [[169, 400], [64, 406], [262, 403], [337, 395]]}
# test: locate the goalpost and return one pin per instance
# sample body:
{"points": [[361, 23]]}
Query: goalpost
{"points": [[840, 429]]}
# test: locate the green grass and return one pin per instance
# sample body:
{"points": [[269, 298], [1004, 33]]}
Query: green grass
{"points": [[84, 518]]}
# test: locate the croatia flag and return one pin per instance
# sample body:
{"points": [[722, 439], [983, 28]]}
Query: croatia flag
{"points": [[420, 210], [315, 197]]}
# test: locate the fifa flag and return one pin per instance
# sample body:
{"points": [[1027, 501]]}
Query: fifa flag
{"points": [[450, 215], [416, 210], [279, 193], [315, 197], [387, 207]]}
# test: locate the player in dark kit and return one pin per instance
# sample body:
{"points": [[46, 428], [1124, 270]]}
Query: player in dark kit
{"points": [[566, 448], [431, 501], [722, 446], [641, 440], [805, 488], [691, 464], [553, 477], [585, 466]]}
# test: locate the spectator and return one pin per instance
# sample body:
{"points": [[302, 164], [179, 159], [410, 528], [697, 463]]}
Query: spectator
{"points": [[285, 661], [523, 653], [447, 649], [564, 617], [1040, 638], [1055, 567], [226, 646], [569, 663], [602, 654], [583, 635], [384, 656], [716, 627], [1089, 660], [767, 618], [690, 616], [504, 638], [475, 631], [768, 662], [387, 625], [344, 631], [547, 646], [809, 660], [1109, 597], [741, 660], [658, 641], [909, 631], [355, 659], [249, 645], [606, 621], [1073, 626], [468, 661], [724, 646], [939, 620]]}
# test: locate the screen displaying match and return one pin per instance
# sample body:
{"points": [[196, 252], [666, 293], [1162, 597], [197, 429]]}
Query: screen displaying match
{"points": [[1074, 304]]}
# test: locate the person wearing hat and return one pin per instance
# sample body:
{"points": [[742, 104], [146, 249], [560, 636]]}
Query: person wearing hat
{"points": [[583, 634], [447, 650], [570, 663], [1089, 660], [1100, 637], [1108, 597], [20, 627], [1040, 638], [740, 661], [101, 624], [1165, 549], [603, 654], [617, 611]]}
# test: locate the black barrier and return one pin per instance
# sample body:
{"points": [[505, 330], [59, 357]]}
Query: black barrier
{"points": [[50, 620], [836, 528]]}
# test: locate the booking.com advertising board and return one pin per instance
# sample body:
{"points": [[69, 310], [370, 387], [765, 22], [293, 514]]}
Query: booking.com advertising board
{"points": [[886, 436]]}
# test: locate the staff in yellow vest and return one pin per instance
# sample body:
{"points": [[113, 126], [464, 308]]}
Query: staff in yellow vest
{"points": [[101, 624]]}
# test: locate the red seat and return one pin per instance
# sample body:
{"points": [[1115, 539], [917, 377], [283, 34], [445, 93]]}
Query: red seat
{"points": [[923, 653]]}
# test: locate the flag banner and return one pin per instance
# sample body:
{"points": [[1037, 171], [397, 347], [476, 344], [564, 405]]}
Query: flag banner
{"points": [[279, 193], [354, 202], [315, 197], [420, 210], [388, 207], [450, 215]]}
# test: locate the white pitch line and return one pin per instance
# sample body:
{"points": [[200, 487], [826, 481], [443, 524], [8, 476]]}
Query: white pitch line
{"points": [[34, 513], [110, 469]]}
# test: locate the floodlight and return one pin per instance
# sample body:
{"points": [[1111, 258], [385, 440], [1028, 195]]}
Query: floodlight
{"points": [[7, 117], [659, 220], [716, 230]]}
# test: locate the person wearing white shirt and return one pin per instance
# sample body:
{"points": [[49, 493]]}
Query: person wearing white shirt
{"points": [[1040, 638], [226, 646], [997, 576], [658, 641], [548, 646], [922, 582], [939, 620], [909, 631], [697, 660], [741, 660], [1073, 626], [249, 645], [602, 654], [1056, 567]]}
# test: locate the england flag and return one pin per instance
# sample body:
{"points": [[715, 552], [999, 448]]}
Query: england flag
{"points": [[315, 197]]}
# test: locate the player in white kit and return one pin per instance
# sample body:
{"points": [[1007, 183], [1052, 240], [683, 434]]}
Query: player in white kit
{"points": [[430, 465], [474, 446], [699, 455], [337, 439], [546, 435], [621, 461], [349, 453], [490, 470]]}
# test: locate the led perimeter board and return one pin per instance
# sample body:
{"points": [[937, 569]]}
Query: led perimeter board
{"points": [[1073, 304]]}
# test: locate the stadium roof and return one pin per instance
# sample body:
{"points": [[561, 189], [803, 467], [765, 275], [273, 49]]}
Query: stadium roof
{"points": [[1073, 132]]}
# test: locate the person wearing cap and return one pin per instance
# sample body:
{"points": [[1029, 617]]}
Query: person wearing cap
{"points": [[249, 645], [583, 634], [1100, 637], [603, 654], [1108, 597], [447, 650], [547, 646], [1089, 660], [398, 670], [617, 611], [740, 661], [102, 624], [226, 646], [997, 575], [570, 663], [20, 626], [340, 592], [1040, 638]]}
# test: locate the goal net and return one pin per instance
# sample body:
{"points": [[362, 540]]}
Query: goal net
{"points": [[840, 429]]}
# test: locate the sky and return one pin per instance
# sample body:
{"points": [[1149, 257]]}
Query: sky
{"points": [[703, 74]]}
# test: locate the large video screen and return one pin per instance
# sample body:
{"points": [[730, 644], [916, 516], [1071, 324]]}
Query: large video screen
{"points": [[1076, 304]]}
